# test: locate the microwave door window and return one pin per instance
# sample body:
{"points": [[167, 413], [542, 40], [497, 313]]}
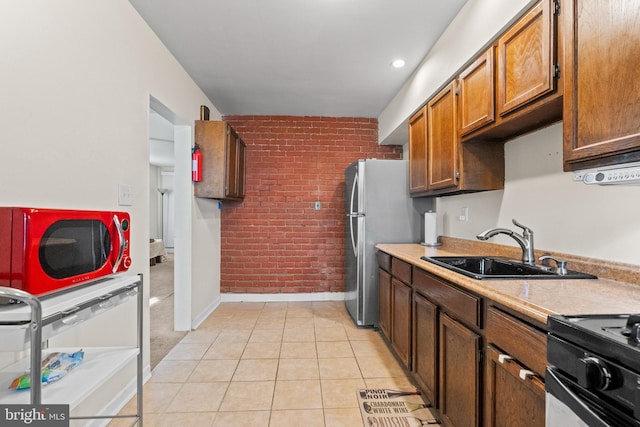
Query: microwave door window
{"points": [[74, 247]]}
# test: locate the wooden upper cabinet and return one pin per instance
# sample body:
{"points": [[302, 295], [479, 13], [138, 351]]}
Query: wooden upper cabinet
{"points": [[442, 139], [601, 117], [439, 164], [223, 161], [526, 59], [476, 105], [418, 152], [235, 161]]}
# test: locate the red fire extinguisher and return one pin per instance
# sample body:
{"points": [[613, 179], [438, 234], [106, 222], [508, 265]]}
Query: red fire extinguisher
{"points": [[196, 164]]}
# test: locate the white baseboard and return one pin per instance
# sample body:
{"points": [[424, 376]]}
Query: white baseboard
{"points": [[205, 313], [314, 296]]}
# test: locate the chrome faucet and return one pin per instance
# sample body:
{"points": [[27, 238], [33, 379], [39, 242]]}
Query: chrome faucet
{"points": [[525, 240]]}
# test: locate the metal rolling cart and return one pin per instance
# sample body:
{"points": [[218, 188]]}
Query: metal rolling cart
{"points": [[41, 319]]}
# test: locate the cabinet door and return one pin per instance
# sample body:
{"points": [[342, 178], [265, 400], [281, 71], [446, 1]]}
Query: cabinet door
{"points": [[442, 140], [515, 396], [425, 345], [211, 136], [384, 290], [401, 320], [459, 374], [241, 170], [231, 187], [526, 59], [602, 80], [418, 152], [476, 104]]}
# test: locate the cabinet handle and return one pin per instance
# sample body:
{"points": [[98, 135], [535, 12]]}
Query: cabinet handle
{"points": [[504, 358], [524, 373]]}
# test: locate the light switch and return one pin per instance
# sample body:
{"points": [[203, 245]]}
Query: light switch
{"points": [[125, 194]]}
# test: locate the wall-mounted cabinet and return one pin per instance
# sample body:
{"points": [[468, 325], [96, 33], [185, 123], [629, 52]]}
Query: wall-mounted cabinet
{"points": [[521, 90], [526, 59], [476, 103], [438, 163], [418, 152], [602, 83], [442, 139], [223, 161]]}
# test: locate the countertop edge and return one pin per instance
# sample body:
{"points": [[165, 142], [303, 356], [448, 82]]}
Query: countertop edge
{"points": [[515, 295]]}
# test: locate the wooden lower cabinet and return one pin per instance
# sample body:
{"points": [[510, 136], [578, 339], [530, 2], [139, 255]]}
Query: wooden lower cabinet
{"points": [[425, 344], [384, 295], [401, 320], [459, 374], [515, 366], [515, 395], [476, 362]]}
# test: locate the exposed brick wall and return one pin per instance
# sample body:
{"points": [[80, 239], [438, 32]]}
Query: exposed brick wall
{"points": [[274, 241]]}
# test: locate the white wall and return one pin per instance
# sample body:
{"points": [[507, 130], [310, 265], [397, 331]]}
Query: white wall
{"points": [[566, 216], [569, 217], [74, 111]]}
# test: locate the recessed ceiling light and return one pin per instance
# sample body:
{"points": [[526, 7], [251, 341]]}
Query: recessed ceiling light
{"points": [[398, 63]]}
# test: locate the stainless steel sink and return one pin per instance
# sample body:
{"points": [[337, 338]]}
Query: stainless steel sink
{"points": [[484, 267]]}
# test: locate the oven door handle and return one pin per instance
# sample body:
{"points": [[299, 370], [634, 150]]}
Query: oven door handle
{"points": [[555, 385]]}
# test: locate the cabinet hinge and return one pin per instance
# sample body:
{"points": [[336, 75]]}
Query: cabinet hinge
{"points": [[556, 71], [556, 7], [457, 91], [481, 357], [458, 174]]}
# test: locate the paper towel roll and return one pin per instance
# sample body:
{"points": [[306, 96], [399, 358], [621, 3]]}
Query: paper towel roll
{"points": [[431, 229]]}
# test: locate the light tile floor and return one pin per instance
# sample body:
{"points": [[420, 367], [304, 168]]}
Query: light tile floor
{"points": [[270, 365]]}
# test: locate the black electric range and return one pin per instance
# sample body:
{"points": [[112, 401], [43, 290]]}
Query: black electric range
{"points": [[596, 366]]}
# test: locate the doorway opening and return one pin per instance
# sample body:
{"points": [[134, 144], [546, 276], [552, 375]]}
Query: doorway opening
{"points": [[169, 237]]}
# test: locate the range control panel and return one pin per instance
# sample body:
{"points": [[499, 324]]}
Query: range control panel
{"points": [[625, 174]]}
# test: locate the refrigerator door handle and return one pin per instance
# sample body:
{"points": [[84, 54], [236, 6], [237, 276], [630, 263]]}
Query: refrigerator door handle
{"points": [[352, 215]]}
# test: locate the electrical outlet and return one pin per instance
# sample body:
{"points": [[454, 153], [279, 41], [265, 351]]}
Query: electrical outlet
{"points": [[317, 206], [125, 194], [464, 214]]}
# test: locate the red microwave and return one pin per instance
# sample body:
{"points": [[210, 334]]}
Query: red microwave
{"points": [[43, 251]]}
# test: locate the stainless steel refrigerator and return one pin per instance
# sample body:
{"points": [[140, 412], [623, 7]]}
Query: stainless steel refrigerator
{"points": [[378, 210]]}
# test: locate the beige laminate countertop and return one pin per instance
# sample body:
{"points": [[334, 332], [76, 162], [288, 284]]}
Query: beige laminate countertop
{"points": [[536, 299]]}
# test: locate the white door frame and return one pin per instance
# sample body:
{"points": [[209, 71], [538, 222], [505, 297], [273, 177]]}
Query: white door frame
{"points": [[182, 219]]}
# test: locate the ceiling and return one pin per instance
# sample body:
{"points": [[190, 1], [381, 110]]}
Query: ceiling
{"points": [[299, 57]]}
